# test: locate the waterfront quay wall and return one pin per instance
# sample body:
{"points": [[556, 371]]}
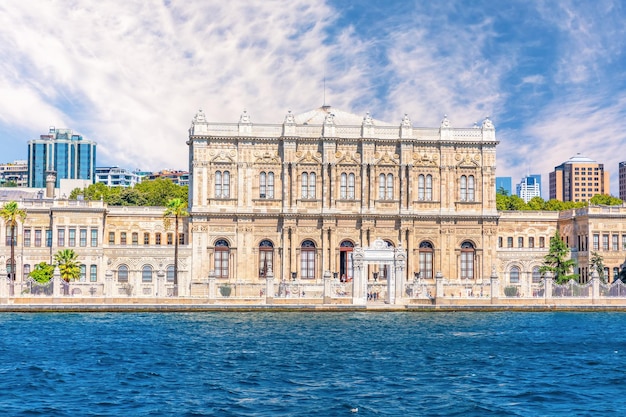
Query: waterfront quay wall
{"points": [[442, 295]]}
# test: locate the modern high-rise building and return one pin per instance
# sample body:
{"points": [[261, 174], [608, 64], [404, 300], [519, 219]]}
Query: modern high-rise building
{"points": [[578, 179], [622, 180], [63, 153], [529, 187], [504, 184]]}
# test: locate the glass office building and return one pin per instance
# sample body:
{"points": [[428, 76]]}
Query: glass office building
{"points": [[62, 151]]}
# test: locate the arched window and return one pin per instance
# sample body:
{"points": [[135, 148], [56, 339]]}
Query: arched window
{"points": [[467, 187], [307, 259], [351, 194], [429, 188], [222, 184], [308, 185], [169, 273], [146, 273], [346, 186], [266, 185], [536, 275], [266, 258], [426, 259], [467, 260], [514, 275], [346, 268], [122, 273], [222, 253], [385, 187], [420, 187]]}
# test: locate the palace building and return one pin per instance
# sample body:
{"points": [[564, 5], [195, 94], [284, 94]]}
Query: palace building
{"points": [[296, 198]]}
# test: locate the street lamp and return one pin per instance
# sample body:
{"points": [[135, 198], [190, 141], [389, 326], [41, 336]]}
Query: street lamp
{"points": [[293, 276]]}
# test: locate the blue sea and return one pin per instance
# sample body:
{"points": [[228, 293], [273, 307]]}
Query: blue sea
{"points": [[313, 364]]}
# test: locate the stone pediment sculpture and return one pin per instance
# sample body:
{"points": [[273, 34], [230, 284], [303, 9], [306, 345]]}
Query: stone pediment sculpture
{"points": [[266, 157], [467, 160], [244, 118], [200, 117], [487, 124], [445, 123], [367, 120], [290, 118], [406, 121], [387, 159], [223, 156], [425, 159], [309, 157]]}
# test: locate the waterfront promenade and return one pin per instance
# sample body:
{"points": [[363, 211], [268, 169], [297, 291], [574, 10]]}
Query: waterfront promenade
{"points": [[440, 294]]}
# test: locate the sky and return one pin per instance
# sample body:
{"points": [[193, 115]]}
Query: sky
{"points": [[131, 74]]}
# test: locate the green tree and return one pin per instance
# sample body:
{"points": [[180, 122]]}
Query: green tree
{"points": [[158, 192], [536, 203], [66, 260], [175, 208], [605, 200], [502, 191], [597, 264], [42, 273], [12, 214], [558, 260]]}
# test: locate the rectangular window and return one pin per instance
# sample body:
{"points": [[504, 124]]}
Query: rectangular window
{"points": [[146, 238], [83, 238], [71, 241], [605, 242], [509, 242], [27, 237], [531, 242], [135, 237], [49, 238], [615, 242], [94, 237], [520, 242], [8, 236], [83, 273], [93, 273], [500, 241], [111, 238], [38, 237], [157, 238], [623, 242], [61, 237], [542, 242], [170, 238], [122, 238], [181, 238]]}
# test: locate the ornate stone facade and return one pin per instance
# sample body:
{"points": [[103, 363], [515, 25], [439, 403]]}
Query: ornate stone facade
{"points": [[300, 196]]}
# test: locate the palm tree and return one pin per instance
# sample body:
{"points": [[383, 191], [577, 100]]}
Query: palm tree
{"points": [[11, 214], [68, 267], [176, 207]]}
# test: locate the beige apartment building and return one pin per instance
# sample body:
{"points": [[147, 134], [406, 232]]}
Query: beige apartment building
{"points": [[578, 179]]}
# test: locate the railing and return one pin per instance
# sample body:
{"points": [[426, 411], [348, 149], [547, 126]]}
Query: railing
{"points": [[572, 289], [616, 289]]}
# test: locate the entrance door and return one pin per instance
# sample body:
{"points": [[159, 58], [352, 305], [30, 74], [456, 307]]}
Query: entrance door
{"points": [[346, 269]]}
